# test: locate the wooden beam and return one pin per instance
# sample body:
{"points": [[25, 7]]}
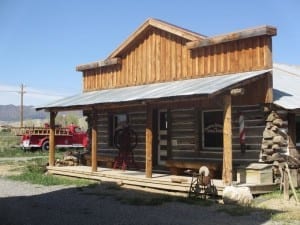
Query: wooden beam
{"points": [[292, 134], [237, 91], [242, 83], [286, 186], [253, 32], [227, 142], [181, 32], [66, 108], [149, 139], [94, 143], [98, 64], [52, 139], [269, 91]]}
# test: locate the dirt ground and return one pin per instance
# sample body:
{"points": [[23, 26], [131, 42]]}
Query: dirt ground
{"points": [[9, 169], [287, 212]]}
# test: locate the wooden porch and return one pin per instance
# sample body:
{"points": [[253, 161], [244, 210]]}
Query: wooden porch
{"points": [[166, 182]]}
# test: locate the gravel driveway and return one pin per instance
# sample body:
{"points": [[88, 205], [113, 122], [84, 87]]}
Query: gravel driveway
{"points": [[27, 204]]}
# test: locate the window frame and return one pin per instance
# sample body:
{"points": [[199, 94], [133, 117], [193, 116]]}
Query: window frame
{"points": [[113, 125]]}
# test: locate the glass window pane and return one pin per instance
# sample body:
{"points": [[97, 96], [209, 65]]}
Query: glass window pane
{"points": [[163, 120], [213, 129]]}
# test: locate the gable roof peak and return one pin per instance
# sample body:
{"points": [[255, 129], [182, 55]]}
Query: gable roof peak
{"points": [[159, 24]]}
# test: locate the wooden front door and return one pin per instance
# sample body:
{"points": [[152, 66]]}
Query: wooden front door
{"points": [[162, 137]]}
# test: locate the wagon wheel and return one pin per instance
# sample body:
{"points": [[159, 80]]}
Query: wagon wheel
{"points": [[125, 139], [204, 171]]}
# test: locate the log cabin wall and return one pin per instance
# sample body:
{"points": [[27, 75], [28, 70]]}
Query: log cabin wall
{"points": [[103, 145], [137, 122], [187, 135], [183, 127], [254, 117], [185, 141], [160, 56]]}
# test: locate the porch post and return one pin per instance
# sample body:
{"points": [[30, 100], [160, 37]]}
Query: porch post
{"points": [[227, 142], [269, 93], [149, 138], [292, 134], [292, 152], [52, 139], [94, 143]]}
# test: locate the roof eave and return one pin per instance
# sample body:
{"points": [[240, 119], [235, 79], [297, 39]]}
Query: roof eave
{"points": [[98, 64], [243, 34]]}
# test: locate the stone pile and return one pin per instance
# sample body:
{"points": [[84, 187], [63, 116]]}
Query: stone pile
{"points": [[274, 143], [69, 159]]}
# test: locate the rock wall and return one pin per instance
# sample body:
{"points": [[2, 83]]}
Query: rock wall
{"points": [[274, 143]]}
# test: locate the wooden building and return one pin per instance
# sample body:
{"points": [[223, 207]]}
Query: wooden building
{"points": [[188, 97]]}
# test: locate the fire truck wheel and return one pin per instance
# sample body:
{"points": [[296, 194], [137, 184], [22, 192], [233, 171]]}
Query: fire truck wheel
{"points": [[45, 146]]}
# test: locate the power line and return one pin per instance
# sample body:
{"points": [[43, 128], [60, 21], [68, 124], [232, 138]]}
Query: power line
{"points": [[36, 92], [21, 92]]}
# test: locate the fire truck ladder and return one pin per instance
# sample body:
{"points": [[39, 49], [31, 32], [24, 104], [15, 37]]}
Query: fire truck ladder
{"points": [[40, 131]]}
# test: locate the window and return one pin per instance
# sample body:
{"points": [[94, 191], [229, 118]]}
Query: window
{"points": [[212, 129], [116, 121], [163, 120], [119, 120], [298, 130]]}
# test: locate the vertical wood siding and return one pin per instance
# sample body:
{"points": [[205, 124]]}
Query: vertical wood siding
{"points": [[159, 56], [255, 92]]}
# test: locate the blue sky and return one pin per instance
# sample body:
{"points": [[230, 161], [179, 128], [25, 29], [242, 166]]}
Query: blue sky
{"points": [[42, 41]]}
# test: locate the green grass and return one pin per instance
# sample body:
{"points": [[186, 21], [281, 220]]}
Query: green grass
{"points": [[11, 152], [18, 152], [8, 141], [275, 195], [35, 172]]}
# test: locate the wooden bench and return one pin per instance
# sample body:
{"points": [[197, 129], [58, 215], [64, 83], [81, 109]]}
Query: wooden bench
{"points": [[177, 167], [107, 160]]}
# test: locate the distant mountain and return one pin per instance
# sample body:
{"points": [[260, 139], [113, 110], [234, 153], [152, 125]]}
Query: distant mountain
{"points": [[9, 113]]}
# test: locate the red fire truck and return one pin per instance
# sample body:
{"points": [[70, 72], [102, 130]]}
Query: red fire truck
{"points": [[65, 137]]}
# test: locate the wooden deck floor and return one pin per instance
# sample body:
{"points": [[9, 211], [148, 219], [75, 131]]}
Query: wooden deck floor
{"points": [[137, 178]]}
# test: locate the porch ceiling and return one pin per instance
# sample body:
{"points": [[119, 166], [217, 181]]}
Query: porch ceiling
{"points": [[191, 87]]}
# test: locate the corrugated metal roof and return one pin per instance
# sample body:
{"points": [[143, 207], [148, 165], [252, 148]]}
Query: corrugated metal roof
{"points": [[199, 86], [286, 86]]}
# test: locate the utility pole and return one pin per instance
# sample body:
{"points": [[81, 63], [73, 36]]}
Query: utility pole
{"points": [[22, 92]]}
